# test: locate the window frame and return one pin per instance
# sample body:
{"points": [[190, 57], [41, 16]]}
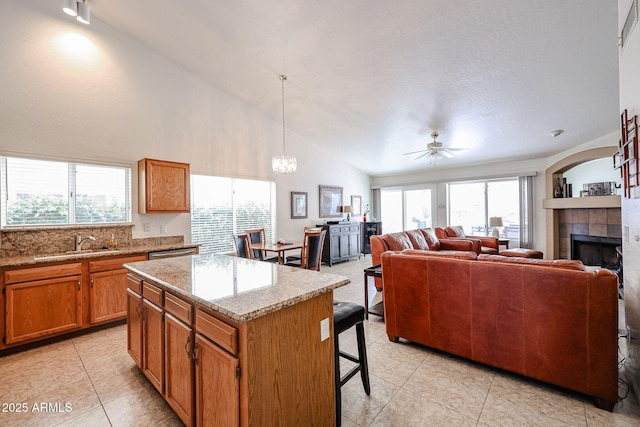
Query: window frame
{"points": [[234, 204], [71, 197]]}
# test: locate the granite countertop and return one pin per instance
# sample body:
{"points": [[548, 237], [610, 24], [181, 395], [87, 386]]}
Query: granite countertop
{"points": [[238, 288], [19, 261]]}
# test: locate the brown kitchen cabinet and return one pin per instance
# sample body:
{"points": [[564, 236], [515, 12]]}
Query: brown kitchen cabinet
{"points": [[145, 329], [163, 187], [234, 377], [108, 288], [42, 302], [217, 385], [134, 326], [179, 378]]}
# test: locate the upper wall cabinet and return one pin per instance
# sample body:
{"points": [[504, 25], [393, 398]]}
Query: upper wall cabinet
{"points": [[163, 187]]}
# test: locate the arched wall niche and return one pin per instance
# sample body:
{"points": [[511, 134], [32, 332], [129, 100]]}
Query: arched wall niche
{"points": [[554, 207]]}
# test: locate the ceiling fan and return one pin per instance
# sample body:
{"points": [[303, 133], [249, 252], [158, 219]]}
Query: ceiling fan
{"points": [[436, 150]]}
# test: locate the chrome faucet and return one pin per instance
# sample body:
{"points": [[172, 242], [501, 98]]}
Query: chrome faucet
{"points": [[80, 241]]}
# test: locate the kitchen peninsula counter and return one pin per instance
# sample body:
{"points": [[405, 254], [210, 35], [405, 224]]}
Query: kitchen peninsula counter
{"points": [[232, 341]]}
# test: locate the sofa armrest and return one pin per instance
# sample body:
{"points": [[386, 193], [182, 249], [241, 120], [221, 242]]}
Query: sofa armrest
{"points": [[377, 248], [488, 241], [457, 245]]}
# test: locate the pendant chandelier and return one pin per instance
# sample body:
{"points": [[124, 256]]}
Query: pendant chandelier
{"points": [[283, 164]]}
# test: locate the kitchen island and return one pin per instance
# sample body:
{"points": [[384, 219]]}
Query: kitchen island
{"points": [[231, 341]]}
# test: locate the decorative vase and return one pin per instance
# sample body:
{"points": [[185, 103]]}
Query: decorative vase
{"points": [[364, 218]]}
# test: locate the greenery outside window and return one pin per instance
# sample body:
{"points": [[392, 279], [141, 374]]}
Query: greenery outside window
{"points": [[45, 192]]}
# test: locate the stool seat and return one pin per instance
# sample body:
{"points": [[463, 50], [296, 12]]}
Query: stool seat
{"points": [[522, 252], [346, 315]]}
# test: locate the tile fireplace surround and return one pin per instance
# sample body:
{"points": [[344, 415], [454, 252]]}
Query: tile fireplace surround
{"points": [[602, 222]]}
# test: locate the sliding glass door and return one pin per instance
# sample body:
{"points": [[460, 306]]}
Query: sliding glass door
{"points": [[480, 207], [406, 209]]}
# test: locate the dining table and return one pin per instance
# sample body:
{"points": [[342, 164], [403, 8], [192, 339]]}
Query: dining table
{"points": [[279, 248]]}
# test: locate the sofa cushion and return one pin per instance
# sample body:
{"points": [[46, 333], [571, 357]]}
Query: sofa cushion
{"points": [[417, 239], [568, 264], [398, 241], [432, 240], [448, 254], [455, 231]]}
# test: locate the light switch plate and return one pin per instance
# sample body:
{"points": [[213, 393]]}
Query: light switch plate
{"points": [[324, 329]]}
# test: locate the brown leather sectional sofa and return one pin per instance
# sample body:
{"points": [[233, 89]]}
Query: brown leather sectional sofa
{"points": [[423, 239], [549, 320]]}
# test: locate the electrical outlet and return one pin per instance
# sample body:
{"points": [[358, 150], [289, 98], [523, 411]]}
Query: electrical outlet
{"points": [[325, 332], [147, 227], [163, 229]]}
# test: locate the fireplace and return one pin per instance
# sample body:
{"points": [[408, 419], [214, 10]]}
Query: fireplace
{"points": [[596, 250]]}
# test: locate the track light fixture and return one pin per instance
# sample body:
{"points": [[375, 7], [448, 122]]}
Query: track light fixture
{"points": [[84, 13], [70, 7], [80, 10]]}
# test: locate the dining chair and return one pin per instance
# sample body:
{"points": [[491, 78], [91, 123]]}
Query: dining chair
{"points": [[292, 258], [241, 242], [311, 250], [256, 235]]}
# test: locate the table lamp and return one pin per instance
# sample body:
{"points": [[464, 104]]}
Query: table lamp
{"points": [[495, 222], [347, 209]]}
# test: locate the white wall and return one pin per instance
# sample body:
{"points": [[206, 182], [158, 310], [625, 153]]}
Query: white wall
{"points": [[91, 93]]}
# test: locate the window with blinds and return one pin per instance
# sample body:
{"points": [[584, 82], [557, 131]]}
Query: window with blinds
{"points": [[45, 192], [223, 206]]}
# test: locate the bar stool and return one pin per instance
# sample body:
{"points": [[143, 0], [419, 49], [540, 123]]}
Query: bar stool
{"points": [[346, 315]]}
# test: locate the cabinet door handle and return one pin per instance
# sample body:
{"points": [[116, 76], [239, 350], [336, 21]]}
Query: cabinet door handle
{"points": [[194, 356], [92, 282], [79, 284], [186, 346], [141, 312]]}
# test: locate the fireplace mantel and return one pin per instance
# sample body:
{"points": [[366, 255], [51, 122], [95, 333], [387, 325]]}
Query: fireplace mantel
{"points": [[555, 205], [583, 202]]}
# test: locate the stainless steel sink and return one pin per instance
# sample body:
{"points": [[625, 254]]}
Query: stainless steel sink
{"points": [[75, 254]]}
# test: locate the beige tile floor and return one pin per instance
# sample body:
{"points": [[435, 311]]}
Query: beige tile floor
{"points": [[410, 385]]}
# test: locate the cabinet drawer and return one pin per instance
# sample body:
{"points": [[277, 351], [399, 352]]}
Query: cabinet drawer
{"points": [[217, 331], [41, 273], [354, 228], [114, 263], [345, 229], [134, 283], [152, 293], [180, 309]]}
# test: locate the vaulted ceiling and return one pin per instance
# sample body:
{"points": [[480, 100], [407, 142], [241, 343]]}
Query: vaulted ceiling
{"points": [[371, 79]]}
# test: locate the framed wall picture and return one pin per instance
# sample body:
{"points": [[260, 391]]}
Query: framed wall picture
{"points": [[330, 201], [356, 205], [298, 204]]}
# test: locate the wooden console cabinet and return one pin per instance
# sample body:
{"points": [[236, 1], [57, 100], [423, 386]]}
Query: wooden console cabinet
{"points": [[163, 187], [342, 242], [368, 229]]}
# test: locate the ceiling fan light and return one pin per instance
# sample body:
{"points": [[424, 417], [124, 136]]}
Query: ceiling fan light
{"points": [[70, 7]]}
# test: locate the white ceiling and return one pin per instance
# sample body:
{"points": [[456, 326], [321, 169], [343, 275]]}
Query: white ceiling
{"points": [[371, 79]]}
